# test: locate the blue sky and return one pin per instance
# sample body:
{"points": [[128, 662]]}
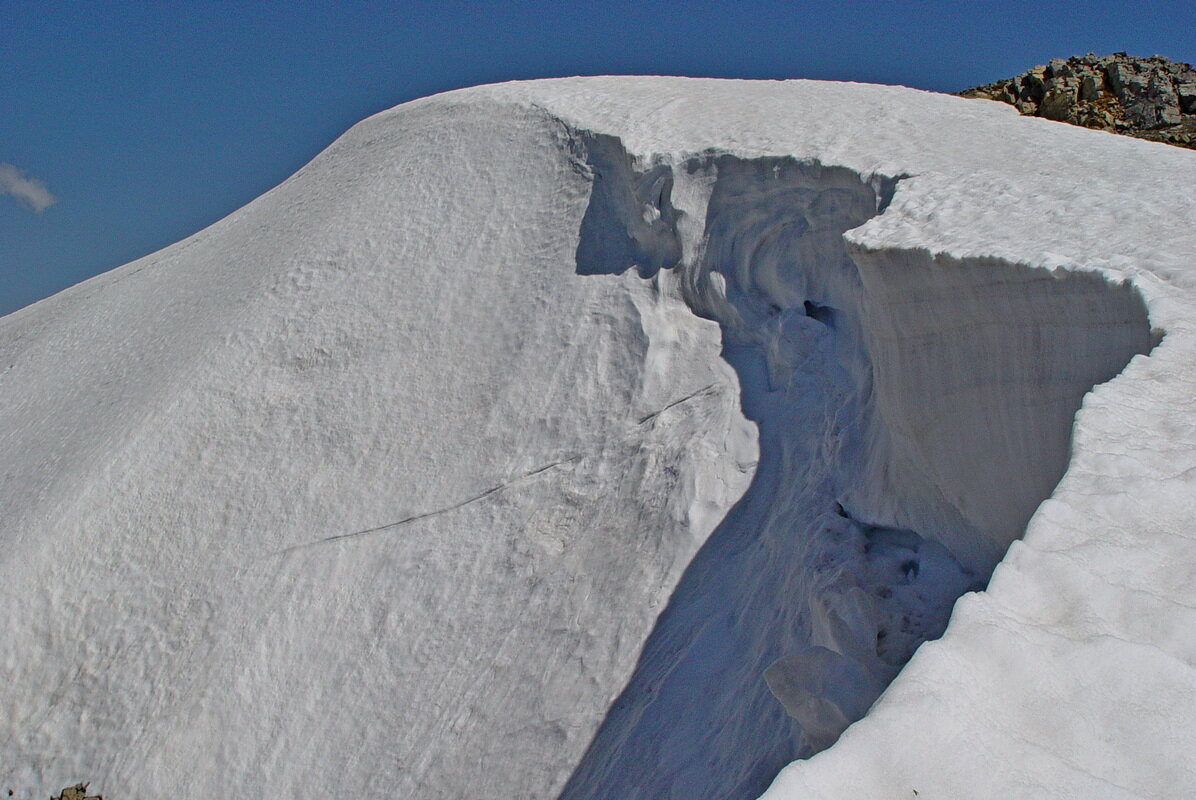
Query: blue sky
{"points": [[148, 121]]}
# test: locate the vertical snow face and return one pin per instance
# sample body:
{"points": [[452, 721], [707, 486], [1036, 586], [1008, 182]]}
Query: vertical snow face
{"points": [[913, 412]]}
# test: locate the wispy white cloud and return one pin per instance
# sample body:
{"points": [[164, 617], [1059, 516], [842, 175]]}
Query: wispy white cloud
{"points": [[29, 192]]}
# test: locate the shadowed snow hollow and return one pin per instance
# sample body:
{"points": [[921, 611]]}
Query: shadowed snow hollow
{"points": [[543, 440], [913, 412]]}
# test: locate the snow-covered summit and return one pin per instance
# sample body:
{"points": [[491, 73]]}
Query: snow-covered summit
{"points": [[619, 437]]}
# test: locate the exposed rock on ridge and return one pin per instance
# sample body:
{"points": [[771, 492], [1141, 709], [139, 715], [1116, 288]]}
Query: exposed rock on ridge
{"points": [[1149, 98]]}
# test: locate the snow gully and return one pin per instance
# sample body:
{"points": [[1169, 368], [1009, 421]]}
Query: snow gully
{"points": [[913, 411]]}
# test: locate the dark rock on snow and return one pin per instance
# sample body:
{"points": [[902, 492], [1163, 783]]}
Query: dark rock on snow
{"points": [[1150, 98]]}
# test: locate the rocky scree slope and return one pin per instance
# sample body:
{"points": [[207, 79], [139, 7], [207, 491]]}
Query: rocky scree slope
{"points": [[1150, 98]]}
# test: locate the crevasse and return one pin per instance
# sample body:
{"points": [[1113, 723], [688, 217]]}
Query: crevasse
{"points": [[913, 412]]}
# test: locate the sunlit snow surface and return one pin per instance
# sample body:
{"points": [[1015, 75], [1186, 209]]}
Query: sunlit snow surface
{"points": [[380, 486]]}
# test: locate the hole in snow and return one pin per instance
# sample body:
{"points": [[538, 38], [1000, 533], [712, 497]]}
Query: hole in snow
{"points": [[913, 412], [823, 314]]}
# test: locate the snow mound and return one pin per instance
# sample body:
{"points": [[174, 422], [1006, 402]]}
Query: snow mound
{"points": [[623, 437]]}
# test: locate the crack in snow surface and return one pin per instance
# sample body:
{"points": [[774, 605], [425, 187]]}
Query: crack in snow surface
{"points": [[427, 514]]}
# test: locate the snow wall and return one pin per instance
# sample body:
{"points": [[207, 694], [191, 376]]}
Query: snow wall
{"points": [[913, 412]]}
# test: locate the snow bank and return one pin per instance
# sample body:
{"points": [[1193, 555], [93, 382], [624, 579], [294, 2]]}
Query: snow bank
{"points": [[622, 437]]}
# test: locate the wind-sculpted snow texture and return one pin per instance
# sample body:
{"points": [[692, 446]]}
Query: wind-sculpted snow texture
{"points": [[622, 438]]}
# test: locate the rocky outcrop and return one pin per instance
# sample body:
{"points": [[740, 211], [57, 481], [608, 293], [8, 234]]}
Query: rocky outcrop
{"points": [[76, 792], [1150, 98]]}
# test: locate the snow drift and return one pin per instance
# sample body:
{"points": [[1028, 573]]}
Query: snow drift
{"points": [[615, 438]]}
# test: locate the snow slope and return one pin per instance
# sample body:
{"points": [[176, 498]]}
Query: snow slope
{"points": [[622, 437]]}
